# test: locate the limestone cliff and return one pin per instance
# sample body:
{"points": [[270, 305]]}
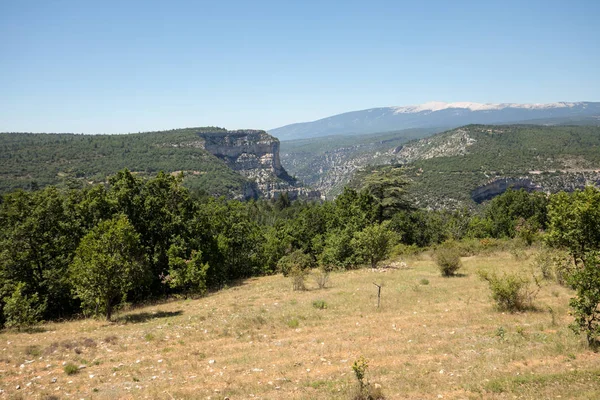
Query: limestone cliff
{"points": [[255, 155]]}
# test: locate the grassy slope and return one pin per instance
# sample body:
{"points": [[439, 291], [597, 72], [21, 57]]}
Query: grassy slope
{"points": [[425, 341], [51, 159]]}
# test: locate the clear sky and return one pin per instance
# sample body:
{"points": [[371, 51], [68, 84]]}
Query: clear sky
{"points": [[129, 66]]}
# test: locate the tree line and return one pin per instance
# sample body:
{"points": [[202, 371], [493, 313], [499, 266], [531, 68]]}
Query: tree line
{"points": [[87, 251]]}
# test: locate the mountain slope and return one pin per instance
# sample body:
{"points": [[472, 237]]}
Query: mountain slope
{"points": [[440, 115], [328, 163], [238, 164], [474, 163]]}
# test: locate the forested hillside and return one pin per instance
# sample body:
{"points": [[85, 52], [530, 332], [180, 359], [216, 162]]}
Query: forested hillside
{"points": [[460, 167], [70, 160], [475, 163]]}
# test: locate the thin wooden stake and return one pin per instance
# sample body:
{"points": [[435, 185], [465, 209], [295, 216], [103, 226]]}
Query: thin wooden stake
{"points": [[378, 293]]}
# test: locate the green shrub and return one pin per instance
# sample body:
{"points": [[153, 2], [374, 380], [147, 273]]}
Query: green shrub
{"points": [[293, 323], [424, 281], [33, 351], [586, 281], [360, 367], [337, 250], [365, 391], [296, 265], [71, 369], [22, 311], [402, 249], [297, 260], [553, 264], [298, 276], [511, 292], [448, 260], [517, 249], [374, 243], [319, 304]]}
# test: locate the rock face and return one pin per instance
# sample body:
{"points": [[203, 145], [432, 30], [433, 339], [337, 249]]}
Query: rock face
{"points": [[499, 186], [255, 155]]}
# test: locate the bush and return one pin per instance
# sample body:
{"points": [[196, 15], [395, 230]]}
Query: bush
{"points": [[365, 391], [109, 262], [511, 292], [71, 369], [337, 250], [405, 250], [295, 261], [298, 276], [22, 311], [554, 265], [374, 243], [293, 323], [448, 260], [319, 304], [296, 265], [321, 277], [586, 281]]}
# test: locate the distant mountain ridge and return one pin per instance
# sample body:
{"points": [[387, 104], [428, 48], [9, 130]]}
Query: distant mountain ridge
{"points": [[441, 115]]}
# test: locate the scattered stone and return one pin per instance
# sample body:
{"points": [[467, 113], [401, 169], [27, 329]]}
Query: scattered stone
{"points": [[53, 380], [18, 387], [211, 361]]}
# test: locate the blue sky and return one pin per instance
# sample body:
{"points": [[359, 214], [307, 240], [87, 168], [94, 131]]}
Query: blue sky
{"points": [[129, 66]]}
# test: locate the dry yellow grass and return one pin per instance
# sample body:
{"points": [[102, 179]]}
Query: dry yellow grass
{"points": [[262, 340]]}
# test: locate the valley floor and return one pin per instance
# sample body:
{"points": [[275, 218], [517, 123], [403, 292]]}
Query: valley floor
{"points": [[431, 338]]}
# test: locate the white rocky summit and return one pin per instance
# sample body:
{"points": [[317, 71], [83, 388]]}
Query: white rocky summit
{"points": [[437, 114], [439, 105]]}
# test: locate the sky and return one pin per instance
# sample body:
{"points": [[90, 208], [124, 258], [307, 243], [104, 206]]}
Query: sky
{"points": [[130, 66]]}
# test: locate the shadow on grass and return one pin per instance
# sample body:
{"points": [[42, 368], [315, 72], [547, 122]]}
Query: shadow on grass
{"points": [[146, 316]]}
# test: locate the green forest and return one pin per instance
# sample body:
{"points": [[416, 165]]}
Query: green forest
{"points": [[88, 251], [30, 161]]}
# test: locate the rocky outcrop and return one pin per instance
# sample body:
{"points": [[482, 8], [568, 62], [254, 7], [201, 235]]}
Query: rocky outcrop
{"points": [[537, 181], [499, 186], [456, 143], [255, 155]]}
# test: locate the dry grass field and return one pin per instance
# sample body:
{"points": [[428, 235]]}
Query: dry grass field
{"points": [[431, 338]]}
